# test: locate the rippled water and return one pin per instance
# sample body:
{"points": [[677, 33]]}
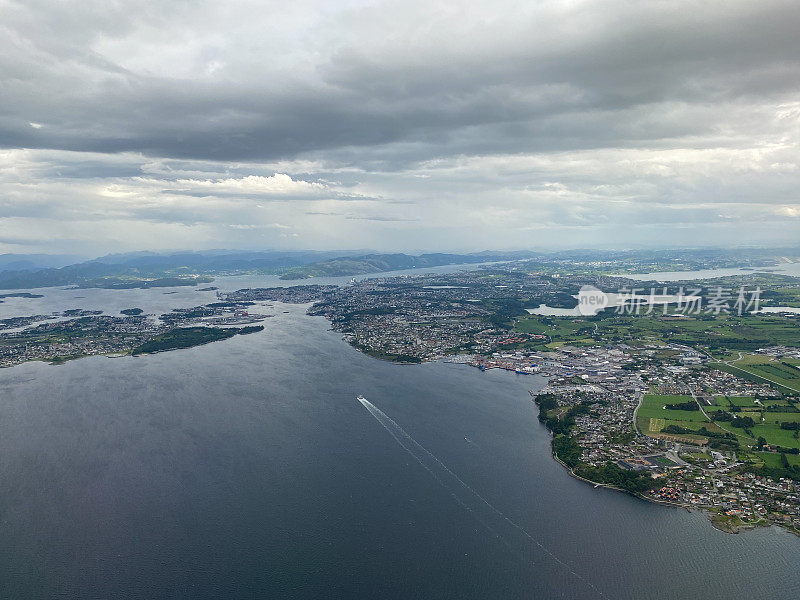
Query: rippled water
{"points": [[247, 469]]}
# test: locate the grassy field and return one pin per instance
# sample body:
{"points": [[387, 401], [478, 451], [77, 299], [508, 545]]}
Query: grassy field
{"points": [[788, 417], [782, 296], [652, 418], [773, 460], [742, 401], [769, 429], [766, 369], [653, 407], [775, 403], [718, 335], [773, 433]]}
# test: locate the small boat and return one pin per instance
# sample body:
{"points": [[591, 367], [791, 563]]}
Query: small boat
{"points": [[360, 398]]}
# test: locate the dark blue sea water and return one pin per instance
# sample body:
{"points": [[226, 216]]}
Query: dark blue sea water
{"points": [[247, 469]]}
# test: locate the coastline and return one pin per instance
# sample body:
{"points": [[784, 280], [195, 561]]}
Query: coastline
{"points": [[717, 519], [722, 524]]}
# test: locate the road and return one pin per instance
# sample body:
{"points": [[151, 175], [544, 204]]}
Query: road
{"points": [[730, 363], [636, 412], [699, 404], [705, 414]]}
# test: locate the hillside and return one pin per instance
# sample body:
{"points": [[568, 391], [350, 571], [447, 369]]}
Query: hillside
{"points": [[379, 263], [142, 269]]}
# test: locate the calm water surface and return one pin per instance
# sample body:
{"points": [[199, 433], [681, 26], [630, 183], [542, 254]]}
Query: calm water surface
{"points": [[247, 469], [792, 269]]}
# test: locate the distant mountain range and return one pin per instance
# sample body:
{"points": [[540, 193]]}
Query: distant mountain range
{"points": [[34, 262], [379, 263], [125, 270], [118, 270], [148, 269]]}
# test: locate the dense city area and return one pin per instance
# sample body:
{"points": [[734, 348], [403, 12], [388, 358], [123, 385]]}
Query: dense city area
{"points": [[413, 319]]}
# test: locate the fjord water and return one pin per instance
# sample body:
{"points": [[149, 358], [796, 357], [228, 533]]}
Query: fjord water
{"points": [[247, 469]]}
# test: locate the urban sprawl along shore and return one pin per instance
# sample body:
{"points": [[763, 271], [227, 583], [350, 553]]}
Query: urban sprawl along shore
{"points": [[694, 410], [665, 408]]}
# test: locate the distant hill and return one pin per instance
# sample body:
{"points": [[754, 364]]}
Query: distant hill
{"points": [[116, 269], [143, 269], [378, 263], [34, 262]]}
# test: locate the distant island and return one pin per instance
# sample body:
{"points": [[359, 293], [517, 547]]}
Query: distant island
{"points": [[586, 262], [187, 337], [380, 263], [120, 283], [149, 269], [21, 295], [131, 311]]}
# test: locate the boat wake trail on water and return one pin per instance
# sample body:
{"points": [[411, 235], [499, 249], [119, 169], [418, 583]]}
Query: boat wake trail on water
{"points": [[485, 512]]}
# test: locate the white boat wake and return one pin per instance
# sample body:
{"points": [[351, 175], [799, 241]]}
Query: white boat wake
{"points": [[485, 512]]}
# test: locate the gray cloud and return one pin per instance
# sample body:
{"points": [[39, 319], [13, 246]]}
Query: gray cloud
{"points": [[540, 77], [430, 120]]}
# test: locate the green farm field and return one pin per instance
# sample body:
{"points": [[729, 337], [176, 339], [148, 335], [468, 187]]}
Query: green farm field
{"points": [[653, 407], [652, 418], [719, 335], [765, 369], [773, 460]]}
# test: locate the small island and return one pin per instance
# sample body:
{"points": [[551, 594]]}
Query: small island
{"points": [[187, 337], [21, 295]]}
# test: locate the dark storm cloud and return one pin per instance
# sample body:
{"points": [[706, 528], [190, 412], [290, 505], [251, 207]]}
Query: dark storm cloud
{"points": [[591, 75]]}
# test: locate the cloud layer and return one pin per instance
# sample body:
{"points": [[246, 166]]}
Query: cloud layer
{"points": [[398, 125]]}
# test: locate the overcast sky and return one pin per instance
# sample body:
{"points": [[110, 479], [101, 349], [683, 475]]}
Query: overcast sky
{"points": [[398, 125]]}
